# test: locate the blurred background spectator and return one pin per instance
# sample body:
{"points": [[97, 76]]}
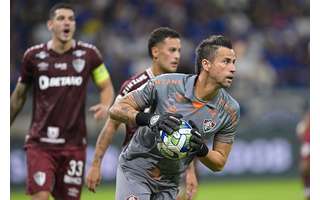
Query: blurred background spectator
{"points": [[271, 37]]}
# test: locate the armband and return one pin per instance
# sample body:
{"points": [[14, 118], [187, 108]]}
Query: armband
{"points": [[100, 74]]}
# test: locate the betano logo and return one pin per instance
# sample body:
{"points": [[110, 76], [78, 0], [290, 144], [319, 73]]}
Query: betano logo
{"points": [[46, 82]]}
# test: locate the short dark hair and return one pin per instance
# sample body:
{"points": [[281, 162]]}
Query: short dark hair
{"points": [[207, 49], [159, 35], [59, 6]]}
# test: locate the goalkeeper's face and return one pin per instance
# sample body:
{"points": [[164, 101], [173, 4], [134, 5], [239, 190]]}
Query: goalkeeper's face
{"points": [[222, 67], [62, 25]]}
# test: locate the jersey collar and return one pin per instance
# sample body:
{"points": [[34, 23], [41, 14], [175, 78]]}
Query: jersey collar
{"points": [[189, 88], [49, 46]]}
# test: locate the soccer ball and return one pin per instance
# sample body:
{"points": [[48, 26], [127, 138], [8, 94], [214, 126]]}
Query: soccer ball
{"points": [[175, 146]]}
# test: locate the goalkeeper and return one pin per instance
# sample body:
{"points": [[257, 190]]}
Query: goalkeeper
{"points": [[143, 173]]}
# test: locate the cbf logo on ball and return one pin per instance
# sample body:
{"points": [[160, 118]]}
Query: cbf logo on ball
{"points": [[176, 145]]}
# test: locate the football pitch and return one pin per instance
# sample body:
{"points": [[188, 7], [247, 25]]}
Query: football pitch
{"points": [[275, 189]]}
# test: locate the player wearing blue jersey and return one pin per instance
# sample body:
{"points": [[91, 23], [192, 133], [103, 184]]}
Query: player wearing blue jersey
{"points": [[143, 172]]}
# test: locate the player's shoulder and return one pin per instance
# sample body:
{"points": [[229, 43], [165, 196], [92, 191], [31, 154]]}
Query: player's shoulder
{"points": [[178, 81], [173, 80], [173, 76], [38, 50], [140, 77], [87, 46], [230, 99], [135, 82]]}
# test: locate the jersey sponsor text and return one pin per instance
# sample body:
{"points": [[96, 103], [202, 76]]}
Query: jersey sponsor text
{"points": [[46, 82]]}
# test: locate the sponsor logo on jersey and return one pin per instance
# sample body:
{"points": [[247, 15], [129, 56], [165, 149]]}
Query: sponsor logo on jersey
{"points": [[39, 177], [154, 119], [134, 82], [78, 64], [132, 197], [208, 125], [73, 192], [72, 180], [43, 66], [62, 66], [46, 82], [53, 134], [42, 55], [79, 53]]}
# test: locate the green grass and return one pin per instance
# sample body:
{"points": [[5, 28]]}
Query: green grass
{"points": [[277, 189]]}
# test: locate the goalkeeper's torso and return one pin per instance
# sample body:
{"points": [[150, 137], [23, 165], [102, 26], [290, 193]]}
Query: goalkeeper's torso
{"points": [[216, 120]]}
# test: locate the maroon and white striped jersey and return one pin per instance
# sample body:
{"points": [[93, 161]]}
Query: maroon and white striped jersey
{"points": [[59, 83], [133, 83]]}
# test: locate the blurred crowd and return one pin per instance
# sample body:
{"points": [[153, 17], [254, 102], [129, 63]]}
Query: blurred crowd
{"points": [[271, 37]]}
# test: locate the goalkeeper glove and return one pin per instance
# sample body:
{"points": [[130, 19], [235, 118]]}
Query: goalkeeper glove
{"points": [[196, 142], [167, 122]]}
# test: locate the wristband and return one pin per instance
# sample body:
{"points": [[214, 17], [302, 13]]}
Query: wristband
{"points": [[143, 119], [203, 151]]}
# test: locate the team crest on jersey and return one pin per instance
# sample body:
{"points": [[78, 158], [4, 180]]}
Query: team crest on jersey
{"points": [[208, 125], [79, 53], [39, 177], [42, 55], [78, 64], [132, 197]]}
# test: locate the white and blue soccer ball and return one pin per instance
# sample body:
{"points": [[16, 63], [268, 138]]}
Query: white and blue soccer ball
{"points": [[176, 145]]}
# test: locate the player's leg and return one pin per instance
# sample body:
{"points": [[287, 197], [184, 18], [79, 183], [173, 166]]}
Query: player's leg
{"points": [[42, 195], [130, 188], [182, 194], [69, 178], [40, 177], [188, 183]]}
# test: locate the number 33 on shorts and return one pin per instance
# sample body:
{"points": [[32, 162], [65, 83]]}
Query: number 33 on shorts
{"points": [[74, 172]]}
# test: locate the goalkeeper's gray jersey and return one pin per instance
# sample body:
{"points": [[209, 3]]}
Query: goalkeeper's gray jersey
{"points": [[217, 119]]}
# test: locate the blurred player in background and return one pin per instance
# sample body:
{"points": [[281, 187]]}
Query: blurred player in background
{"points": [[58, 72], [303, 133], [143, 172], [164, 47]]}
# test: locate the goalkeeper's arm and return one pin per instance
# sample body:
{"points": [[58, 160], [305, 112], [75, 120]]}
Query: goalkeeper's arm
{"points": [[126, 110], [214, 159], [217, 157]]}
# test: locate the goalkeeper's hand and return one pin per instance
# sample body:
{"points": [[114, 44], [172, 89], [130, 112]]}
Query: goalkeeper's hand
{"points": [[167, 122], [197, 144]]}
